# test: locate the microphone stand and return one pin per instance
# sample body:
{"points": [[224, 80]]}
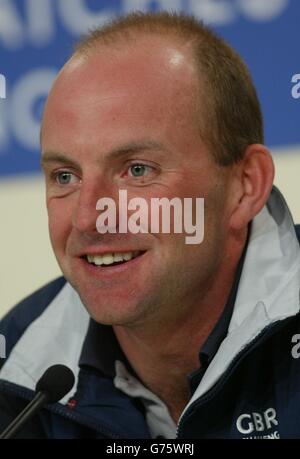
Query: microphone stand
{"points": [[39, 400]]}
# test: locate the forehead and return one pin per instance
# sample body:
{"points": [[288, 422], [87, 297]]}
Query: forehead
{"points": [[149, 55], [149, 84], [154, 65]]}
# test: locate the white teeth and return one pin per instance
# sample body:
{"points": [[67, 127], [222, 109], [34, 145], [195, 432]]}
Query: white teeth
{"points": [[127, 256], [97, 260], [110, 258], [107, 259], [118, 257]]}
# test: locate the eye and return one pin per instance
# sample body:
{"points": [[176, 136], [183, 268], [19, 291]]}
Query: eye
{"points": [[139, 170], [64, 178]]}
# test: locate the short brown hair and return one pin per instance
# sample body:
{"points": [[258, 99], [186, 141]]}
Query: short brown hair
{"points": [[233, 118]]}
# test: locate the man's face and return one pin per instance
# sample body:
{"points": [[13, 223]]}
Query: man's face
{"points": [[124, 119]]}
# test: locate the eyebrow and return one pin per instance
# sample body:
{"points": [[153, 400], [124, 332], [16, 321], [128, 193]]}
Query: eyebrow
{"points": [[125, 150], [54, 157], [135, 147]]}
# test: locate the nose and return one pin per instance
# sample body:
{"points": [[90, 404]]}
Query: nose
{"points": [[85, 213]]}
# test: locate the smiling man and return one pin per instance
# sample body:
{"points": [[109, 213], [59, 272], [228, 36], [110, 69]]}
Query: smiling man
{"points": [[165, 338]]}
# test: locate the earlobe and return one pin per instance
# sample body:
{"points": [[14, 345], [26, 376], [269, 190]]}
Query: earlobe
{"points": [[256, 181]]}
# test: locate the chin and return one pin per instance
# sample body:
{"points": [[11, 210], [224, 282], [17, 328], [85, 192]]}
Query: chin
{"points": [[109, 309]]}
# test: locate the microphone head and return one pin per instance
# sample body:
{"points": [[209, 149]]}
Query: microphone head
{"points": [[57, 381]]}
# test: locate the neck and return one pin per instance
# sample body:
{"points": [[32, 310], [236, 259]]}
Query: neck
{"points": [[163, 353]]}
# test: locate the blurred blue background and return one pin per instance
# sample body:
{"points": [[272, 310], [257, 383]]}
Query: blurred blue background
{"points": [[36, 37]]}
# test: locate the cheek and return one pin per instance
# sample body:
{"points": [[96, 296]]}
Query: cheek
{"points": [[59, 222]]}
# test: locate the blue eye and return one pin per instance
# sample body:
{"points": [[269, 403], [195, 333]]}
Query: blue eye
{"points": [[64, 178], [138, 170]]}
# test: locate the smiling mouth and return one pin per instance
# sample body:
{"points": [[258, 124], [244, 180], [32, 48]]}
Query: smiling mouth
{"points": [[112, 259]]}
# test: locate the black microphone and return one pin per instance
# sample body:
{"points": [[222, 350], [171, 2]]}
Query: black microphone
{"points": [[55, 383]]}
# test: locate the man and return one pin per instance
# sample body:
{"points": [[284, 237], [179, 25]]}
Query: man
{"points": [[165, 338]]}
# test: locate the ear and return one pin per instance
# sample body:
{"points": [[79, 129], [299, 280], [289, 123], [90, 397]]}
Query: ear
{"points": [[254, 184]]}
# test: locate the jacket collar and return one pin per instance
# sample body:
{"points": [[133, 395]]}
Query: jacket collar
{"points": [[56, 336]]}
